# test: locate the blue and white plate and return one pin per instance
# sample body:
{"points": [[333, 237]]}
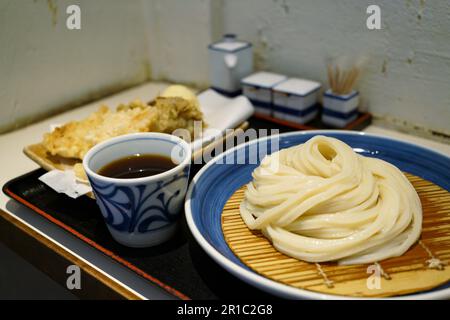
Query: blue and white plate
{"points": [[216, 182]]}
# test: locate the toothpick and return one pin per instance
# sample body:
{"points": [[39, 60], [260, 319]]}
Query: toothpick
{"points": [[349, 81], [353, 79], [337, 80], [330, 76]]}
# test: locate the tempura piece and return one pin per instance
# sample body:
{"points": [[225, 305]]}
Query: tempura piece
{"points": [[176, 108], [180, 91], [174, 113], [75, 138]]}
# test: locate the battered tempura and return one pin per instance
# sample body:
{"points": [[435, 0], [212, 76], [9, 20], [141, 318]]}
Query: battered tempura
{"points": [[165, 114]]}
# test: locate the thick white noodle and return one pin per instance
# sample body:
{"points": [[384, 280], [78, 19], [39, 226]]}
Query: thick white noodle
{"points": [[321, 201]]}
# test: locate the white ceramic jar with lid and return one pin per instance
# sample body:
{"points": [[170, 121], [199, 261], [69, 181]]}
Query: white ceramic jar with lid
{"points": [[230, 60], [295, 100], [258, 89]]}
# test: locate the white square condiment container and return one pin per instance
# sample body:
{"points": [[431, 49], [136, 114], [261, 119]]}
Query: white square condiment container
{"points": [[258, 89], [339, 110], [229, 61], [295, 100]]}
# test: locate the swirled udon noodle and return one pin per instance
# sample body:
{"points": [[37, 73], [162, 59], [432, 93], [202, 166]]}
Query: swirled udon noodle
{"points": [[320, 201]]}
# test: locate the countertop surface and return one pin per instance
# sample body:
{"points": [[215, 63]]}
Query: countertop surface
{"points": [[15, 163]]}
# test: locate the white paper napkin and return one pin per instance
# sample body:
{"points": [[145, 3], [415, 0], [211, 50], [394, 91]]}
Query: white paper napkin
{"points": [[221, 113], [65, 182]]}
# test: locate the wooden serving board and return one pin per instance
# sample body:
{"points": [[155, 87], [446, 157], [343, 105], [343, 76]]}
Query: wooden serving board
{"points": [[423, 267], [45, 160]]}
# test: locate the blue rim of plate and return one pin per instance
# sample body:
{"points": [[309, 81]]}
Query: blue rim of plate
{"points": [[214, 184]]}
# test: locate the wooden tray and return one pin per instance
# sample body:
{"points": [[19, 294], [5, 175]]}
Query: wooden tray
{"points": [[422, 267], [363, 120]]}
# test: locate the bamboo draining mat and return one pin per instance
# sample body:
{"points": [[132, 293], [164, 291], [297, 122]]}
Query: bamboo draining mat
{"points": [[424, 266]]}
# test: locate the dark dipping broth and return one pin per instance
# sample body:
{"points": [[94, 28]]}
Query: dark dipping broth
{"points": [[137, 166]]}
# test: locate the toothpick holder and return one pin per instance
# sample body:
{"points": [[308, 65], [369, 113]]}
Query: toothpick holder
{"points": [[339, 110]]}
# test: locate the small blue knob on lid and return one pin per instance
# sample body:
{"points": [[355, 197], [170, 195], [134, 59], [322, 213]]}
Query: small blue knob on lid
{"points": [[229, 37]]}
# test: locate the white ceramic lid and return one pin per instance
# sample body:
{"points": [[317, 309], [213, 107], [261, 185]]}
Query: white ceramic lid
{"points": [[230, 46], [297, 86], [264, 79], [229, 43]]}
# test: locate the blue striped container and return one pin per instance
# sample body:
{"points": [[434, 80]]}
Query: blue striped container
{"points": [[295, 100], [339, 110], [258, 89]]}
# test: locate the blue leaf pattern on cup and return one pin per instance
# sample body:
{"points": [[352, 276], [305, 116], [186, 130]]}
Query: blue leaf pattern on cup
{"points": [[139, 208]]}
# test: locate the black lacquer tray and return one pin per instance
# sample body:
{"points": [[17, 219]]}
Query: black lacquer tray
{"points": [[179, 266]]}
